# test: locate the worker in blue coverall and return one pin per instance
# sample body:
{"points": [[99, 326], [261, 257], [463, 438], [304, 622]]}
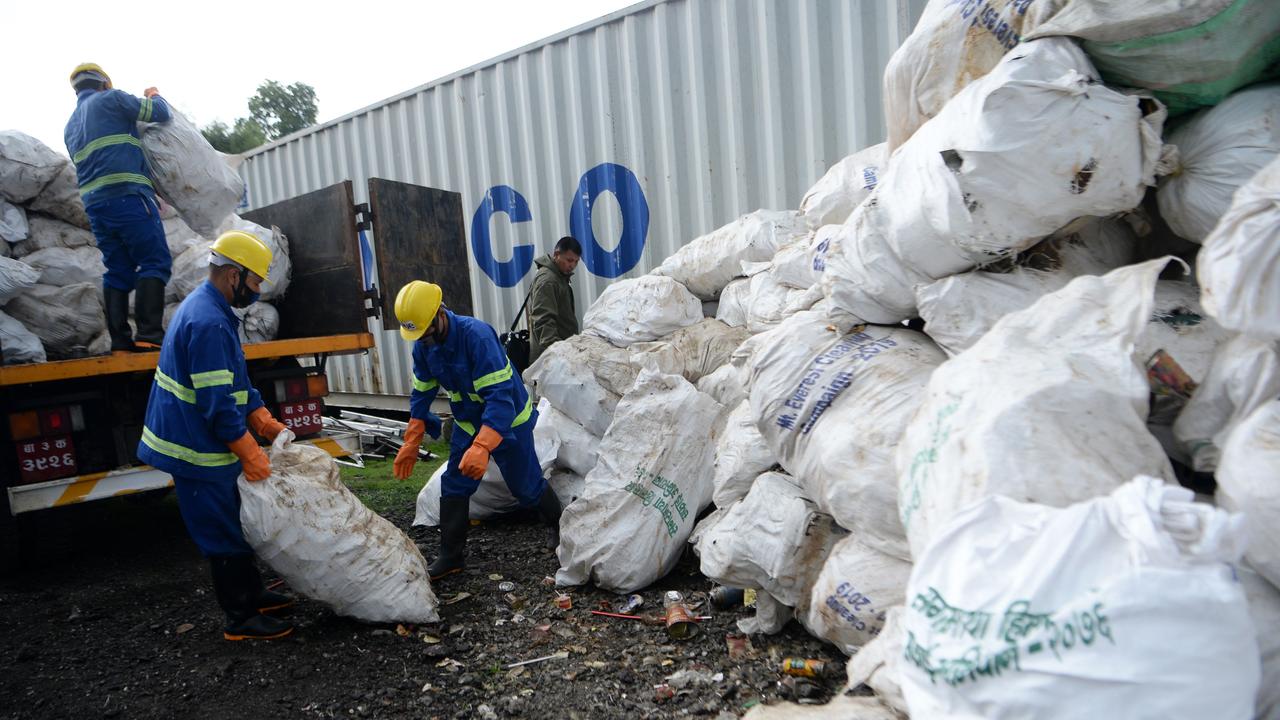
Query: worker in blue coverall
{"points": [[493, 417], [197, 429], [118, 195]]}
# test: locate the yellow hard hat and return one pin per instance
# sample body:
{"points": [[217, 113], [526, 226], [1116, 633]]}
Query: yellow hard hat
{"points": [[93, 70], [416, 306], [245, 249]]}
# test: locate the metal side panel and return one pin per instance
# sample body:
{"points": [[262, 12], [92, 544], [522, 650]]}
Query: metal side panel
{"points": [[419, 235], [326, 291]]}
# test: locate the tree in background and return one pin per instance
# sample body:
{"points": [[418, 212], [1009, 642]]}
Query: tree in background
{"points": [[274, 111], [246, 135], [281, 110]]}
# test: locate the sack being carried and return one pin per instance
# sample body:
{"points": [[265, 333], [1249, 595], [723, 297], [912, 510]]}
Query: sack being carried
{"points": [[190, 175], [304, 523]]}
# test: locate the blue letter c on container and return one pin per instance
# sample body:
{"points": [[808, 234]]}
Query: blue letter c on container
{"points": [[635, 219], [501, 198]]}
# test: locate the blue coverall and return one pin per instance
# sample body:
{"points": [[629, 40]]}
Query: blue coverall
{"points": [[484, 389], [115, 184], [199, 402]]}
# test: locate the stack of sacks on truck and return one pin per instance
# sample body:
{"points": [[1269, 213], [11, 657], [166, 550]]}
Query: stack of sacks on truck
{"points": [[50, 267]]}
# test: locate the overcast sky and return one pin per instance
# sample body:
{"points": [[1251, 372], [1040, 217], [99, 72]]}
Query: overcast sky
{"points": [[208, 62]]}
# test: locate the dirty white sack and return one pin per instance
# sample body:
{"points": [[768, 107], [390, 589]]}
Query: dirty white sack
{"points": [[1005, 619], [1219, 150], [1248, 480], [26, 166], [846, 184], [1016, 156], [641, 309], [959, 309], [190, 175], [1244, 375], [13, 224], [1239, 266], [66, 319], [17, 343], [853, 592], [832, 406], [304, 523], [691, 352], [642, 498], [16, 277], [741, 455], [1049, 407], [66, 266], [774, 540], [259, 322], [706, 264], [46, 232], [583, 377]]}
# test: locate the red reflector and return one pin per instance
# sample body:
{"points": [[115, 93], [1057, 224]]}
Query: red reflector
{"points": [[295, 389], [55, 421]]}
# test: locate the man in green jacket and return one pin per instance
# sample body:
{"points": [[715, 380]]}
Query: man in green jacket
{"points": [[551, 312]]}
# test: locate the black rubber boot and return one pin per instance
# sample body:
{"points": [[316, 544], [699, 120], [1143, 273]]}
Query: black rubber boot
{"points": [[454, 518], [149, 308], [265, 600], [237, 586], [116, 304], [549, 509]]}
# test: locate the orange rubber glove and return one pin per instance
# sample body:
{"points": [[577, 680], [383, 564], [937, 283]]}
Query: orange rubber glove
{"points": [[261, 422], [253, 461], [476, 459], [408, 455]]}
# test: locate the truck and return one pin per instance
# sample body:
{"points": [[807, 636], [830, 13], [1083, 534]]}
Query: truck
{"points": [[70, 428]]}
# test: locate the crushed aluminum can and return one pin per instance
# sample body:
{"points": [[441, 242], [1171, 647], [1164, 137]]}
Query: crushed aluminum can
{"points": [[631, 604], [801, 667], [506, 586], [564, 602], [680, 624], [663, 693]]}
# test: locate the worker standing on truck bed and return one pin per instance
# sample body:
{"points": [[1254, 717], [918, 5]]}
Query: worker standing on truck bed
{"points": [[493, 417], [195, 430], [115, 185], [552, 316]]}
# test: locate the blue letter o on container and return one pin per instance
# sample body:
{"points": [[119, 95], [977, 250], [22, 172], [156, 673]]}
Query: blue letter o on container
{"points": [[622, 183], [501, 198]]}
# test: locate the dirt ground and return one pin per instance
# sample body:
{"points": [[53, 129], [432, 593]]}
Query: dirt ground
{"points": [[121, 622]]}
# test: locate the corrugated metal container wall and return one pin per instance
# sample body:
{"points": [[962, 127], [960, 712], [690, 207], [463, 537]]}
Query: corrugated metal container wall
{"points": [[691, 112]]}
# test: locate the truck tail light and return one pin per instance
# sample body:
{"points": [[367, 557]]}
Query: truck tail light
{"points": [[24, 425], [317, 386]]}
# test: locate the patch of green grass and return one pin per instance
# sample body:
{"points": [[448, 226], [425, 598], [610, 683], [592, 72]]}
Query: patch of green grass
{"points": [[378, 488]]}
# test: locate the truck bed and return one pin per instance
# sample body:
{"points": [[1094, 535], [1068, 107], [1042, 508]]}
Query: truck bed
{"points": [[146, 361]]}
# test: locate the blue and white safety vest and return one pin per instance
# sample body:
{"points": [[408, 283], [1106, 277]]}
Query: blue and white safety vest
{"points": [[201, 394], [102, 139], [473, 368]]}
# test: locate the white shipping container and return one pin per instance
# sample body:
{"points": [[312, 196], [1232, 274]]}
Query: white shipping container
{"points": [[636, 133]]}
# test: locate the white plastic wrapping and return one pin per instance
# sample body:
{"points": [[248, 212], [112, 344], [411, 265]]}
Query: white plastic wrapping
{"points": [[641, 309], [706, 264], [190, 175]]}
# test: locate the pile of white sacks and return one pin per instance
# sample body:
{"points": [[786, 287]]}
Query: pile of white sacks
{"points": [[51, 271], [982, 509]]}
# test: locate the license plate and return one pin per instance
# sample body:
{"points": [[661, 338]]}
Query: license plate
{"points": [[303, 418], [49, 459]]}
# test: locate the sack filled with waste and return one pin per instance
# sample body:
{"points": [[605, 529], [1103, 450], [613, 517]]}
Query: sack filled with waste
{"points": [[1021, 610], [652, 479], [304, 523]]}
